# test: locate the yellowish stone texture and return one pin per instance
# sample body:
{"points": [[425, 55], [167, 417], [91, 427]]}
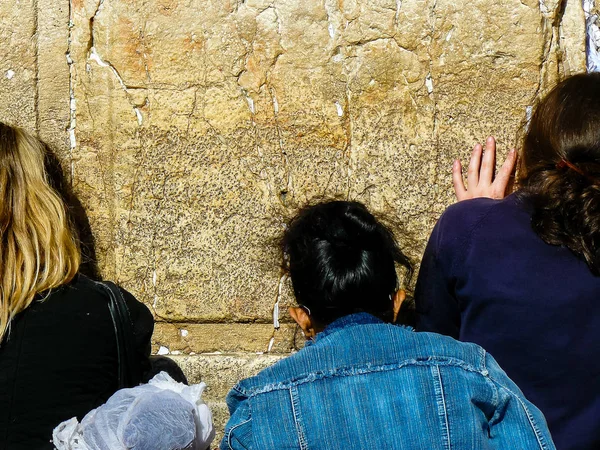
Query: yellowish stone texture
{"points": [[192, 131]]}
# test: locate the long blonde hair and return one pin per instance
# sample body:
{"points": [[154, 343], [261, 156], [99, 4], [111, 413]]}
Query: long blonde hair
{"points": [[38, 249]]}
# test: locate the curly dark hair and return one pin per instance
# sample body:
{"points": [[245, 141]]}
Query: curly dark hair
{"points": [[560, 171]]}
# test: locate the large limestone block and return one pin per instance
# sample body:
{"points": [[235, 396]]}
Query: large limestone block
{"points": [[34, 76], [203, 125], [174, 338], [18, 63], [193, 130]]}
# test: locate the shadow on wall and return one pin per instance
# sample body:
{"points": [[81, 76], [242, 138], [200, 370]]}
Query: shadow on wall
{"points": [[77, 215]]}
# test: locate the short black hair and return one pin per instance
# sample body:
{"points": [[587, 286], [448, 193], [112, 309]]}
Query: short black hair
{"points": [[341, 261]]}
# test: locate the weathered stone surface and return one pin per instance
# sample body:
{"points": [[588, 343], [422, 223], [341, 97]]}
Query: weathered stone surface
{"points": [[195, 143], [53, 86], [18, 62], [221, 373], [194, 129]]}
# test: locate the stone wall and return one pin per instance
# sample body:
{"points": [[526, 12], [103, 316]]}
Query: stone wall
{"points": [[192, 130]]}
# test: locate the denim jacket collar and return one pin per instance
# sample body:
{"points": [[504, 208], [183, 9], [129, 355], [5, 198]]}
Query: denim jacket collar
{"points": [[361, 318]]}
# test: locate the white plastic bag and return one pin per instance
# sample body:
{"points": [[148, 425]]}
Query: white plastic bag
{"points": [[160, 415]]}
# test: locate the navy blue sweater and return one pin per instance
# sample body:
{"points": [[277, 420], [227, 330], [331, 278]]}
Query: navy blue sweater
{"points": [[486, 277]]}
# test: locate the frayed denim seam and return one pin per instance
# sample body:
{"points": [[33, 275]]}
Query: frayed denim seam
{"points": [[441, 402], [298, 418], [534, 426], [536, 430], [231, 432], [353, 371], [495, 399], [482, 355]]}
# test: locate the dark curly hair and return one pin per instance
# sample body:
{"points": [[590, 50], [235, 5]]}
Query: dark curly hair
{"points": [[560, 171], [341, 260]]}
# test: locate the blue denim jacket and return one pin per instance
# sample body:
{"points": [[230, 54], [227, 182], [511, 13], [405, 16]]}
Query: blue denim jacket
{"points": [[364, 384]]}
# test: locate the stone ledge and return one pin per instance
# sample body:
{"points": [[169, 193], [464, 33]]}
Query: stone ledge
{"points": [[227, 338]]}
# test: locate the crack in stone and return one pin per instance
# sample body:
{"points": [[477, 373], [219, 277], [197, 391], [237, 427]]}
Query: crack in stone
{"points": [[93, 55], [362, 42], [197, 88], [343, 111], [72, 102], [284, 156], [36, 79], [145, 56], [397, 15], [429, 85], [560, 13], [192, 111], [557, 29], [552, 34], [326, 188], [330, 11], [91, 23], [348, 147], [276, 324], [262, 174], [273, 5], [266, 85]]}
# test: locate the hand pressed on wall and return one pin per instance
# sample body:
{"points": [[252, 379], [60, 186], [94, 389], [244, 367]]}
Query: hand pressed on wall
{"points": [[480, 173]]}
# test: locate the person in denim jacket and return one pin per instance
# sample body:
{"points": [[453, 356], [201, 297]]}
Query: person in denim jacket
{"points": [[362, 382]]}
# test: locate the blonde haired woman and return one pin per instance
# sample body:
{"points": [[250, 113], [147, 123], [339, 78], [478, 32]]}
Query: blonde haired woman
{"points": [[58, 351]]}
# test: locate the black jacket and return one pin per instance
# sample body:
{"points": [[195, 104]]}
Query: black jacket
{"points": [[60, 360]]}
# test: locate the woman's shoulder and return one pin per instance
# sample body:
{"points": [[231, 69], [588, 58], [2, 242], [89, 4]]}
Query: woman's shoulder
{"points": [[474, 219], [137, 309], [469, 211], [469, 214], [82, 291], [78, 292]]}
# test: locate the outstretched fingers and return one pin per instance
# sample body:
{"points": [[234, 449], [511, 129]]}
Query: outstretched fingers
{"points": [[474, 165], [504, 174], [488, 161], [457, 179], [480, 173]]}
